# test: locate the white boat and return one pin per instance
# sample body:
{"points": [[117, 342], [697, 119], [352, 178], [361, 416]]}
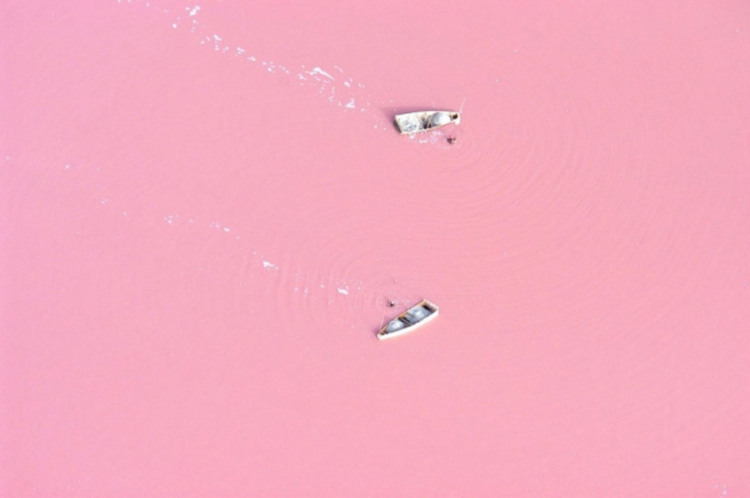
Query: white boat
{"points": [[410, 320], [415, 122]]}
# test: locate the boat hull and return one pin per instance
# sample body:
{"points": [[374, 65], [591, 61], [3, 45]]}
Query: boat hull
{"points": [[417, 122], [409, 323]]}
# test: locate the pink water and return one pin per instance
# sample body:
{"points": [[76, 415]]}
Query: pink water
{"points": [[205, 209]]}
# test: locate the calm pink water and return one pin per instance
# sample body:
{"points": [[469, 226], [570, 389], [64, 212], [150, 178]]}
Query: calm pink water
{"points": [[205, 208]]}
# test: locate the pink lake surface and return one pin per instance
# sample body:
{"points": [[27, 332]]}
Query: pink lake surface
{"points": [[204, 208]]}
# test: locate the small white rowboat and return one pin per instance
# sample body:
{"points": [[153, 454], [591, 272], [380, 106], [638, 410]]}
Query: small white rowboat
{"points": [[415, 122], [410, 320]]}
